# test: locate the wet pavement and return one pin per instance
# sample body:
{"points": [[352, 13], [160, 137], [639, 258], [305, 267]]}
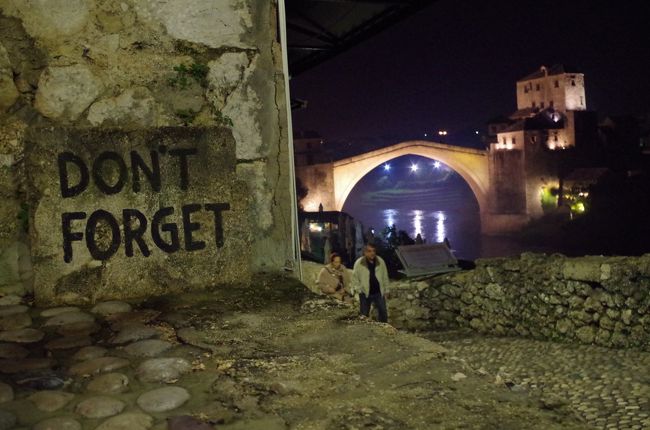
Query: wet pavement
{"points": [[607, 388]]}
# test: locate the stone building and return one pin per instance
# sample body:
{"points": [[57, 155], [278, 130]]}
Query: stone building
{"points": [[308, 147], [551, 116], [194, 89], [552, 87]]}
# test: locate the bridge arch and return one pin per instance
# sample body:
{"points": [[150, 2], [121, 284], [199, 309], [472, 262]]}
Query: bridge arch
{"points": [[470, 164]]}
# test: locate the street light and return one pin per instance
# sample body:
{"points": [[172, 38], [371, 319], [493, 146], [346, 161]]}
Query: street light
{"points": [[436, 164], [414, 167], [387, 167]]}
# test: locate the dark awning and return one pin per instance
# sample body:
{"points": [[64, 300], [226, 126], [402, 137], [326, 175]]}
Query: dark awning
{"points": [[320, 29]]}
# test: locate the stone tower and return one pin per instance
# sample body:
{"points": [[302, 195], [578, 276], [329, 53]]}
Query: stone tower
{"points": [[552, 87], [526, 146]]}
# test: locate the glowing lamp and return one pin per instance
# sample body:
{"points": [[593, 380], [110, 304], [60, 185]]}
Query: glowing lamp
{"points": [[414, 168], [386, 167], [315, 227]]}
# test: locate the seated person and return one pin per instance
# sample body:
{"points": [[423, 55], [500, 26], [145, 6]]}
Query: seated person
{"points": [[334, 279]]}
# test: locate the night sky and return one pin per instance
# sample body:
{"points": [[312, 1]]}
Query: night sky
{"points": [[454, 66]]}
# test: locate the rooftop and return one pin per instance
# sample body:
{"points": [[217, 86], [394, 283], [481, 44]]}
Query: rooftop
{"points": [[556, 69], [544, 120]]}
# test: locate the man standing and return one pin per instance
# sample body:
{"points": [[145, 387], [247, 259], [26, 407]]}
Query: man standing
{"points": [[370, 280]]}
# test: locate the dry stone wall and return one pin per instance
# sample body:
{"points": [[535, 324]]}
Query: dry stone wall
{"points": [[145, 65], [593, 300]]}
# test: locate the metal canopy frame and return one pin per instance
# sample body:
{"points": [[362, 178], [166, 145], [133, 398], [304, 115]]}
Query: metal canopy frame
{"points": [[318, 30]]}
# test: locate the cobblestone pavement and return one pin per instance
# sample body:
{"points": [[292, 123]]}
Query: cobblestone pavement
{"points": [[608, 388], [270, 358]]}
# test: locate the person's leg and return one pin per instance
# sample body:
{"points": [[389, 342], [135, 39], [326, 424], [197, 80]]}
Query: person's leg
{"points": [[364, 305], [380, 304]]}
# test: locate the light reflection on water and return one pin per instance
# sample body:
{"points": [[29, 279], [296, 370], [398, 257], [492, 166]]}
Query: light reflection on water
{"points": [[460, 227], [432, 226], [389, 216], [416, 223], [441, 230]]}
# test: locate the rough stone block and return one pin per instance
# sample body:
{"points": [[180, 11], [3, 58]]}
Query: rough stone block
{"points": [[8, 91], [214, 23], [586, 334], [494, 291], [65, 92], [15, 269], [592, 303], [135, 107], [120, 214], [585, 269], [565, 326], [50, 19]]}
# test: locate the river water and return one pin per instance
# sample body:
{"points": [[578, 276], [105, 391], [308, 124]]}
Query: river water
{"points": [[431, 200], [460, 227]]}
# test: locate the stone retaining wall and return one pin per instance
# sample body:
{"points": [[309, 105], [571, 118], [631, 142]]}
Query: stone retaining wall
{"points": [[599, 300]]}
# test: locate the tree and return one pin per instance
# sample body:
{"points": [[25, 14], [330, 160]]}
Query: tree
{"points": [[301, 193]]}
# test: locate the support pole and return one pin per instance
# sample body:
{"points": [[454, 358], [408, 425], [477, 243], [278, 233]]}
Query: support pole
{"points": [[295, 238]]}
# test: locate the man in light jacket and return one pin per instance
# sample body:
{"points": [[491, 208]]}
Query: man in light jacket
{"points": [[370, 280]]}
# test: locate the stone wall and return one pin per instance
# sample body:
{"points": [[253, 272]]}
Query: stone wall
{"points": [[142, 65], [599, 300]]}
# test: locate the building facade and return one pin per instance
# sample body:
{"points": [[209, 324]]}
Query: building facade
{"points": [[525, 148]]}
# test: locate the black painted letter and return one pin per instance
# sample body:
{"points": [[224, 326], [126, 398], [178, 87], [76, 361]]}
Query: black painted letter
{"points": [[91, 232], [170, 228], [68, 235], [97, 172], [217, 208], [66, 190], [189, 227], [153, 174], [131, 234], [183, 165]]}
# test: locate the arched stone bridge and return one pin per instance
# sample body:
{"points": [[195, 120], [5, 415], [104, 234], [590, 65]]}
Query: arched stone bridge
{"points": [[330, 184], [471, 164]]}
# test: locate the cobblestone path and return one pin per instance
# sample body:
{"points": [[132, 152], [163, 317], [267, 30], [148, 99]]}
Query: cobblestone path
{"points": [[608, 388], [273, 357]]}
